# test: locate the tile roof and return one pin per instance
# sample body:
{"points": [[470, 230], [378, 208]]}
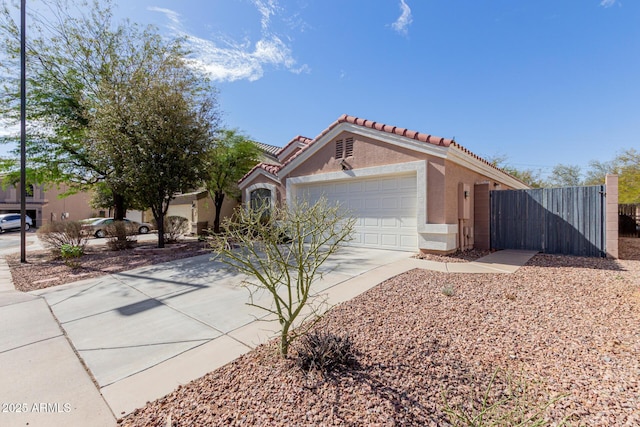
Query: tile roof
{"points": [[411, 134], [298, 138], [269, 149], [345, 118], [268, 167]]}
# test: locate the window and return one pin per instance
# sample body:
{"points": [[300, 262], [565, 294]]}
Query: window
{"points": [[339, 149], [260, 198], [29, 190]]}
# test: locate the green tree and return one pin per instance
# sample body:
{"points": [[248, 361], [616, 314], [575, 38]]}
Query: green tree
{"points": [[627, 166], [76, 55], [628, 169], [230, 158], [531, 177], [282, 248], [565, 176], [157, 123]]}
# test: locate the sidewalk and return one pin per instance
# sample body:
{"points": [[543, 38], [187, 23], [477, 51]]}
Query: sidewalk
{"points": [[43, 381], [145, 332]]}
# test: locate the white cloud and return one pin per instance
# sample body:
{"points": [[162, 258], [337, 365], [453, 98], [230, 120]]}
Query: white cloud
{"points": [[267, 8], [404, 20], [229, 60], [608, 3]]}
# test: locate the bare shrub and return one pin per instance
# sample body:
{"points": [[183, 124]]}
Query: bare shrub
{"points": [[325, 352], [55, 235], [282, 249], [121, 235], [174, 228]]}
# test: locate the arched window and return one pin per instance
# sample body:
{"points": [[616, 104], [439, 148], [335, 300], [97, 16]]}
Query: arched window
{"points": [[260, 198]]}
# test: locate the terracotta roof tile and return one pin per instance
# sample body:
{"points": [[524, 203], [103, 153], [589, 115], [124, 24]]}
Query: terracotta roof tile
{"points": [[299, 138], [269, 149], [415, 135], [268, 167]]}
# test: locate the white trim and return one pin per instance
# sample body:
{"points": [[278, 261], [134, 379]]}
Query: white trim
{"points": [[291, 149], [270, 187]]}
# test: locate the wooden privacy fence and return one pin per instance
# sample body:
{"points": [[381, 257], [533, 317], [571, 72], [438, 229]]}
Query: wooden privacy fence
{"points": [[569, 220]]}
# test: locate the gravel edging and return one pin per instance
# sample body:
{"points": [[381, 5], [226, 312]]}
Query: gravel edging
{"points": [[43, 270], [567, 326]]}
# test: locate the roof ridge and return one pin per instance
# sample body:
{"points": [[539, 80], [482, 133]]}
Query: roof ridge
{"points": [[267, 167], [406, 133], [297, 138]]}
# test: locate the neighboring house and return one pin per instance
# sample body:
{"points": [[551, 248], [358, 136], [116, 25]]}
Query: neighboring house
{"points": [[35, 200], [198, 206], [72, 207], [410, 191], [77, 206]]}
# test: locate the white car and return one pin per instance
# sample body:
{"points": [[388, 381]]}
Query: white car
{"points": [[12, 222]]}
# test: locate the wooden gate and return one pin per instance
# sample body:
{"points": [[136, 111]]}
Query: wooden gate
{"points": [[569, 220]]}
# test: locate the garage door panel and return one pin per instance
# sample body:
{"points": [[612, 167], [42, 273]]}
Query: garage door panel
{"points": [[371, 186], [389, 240], [372, 203], [407, 182], [389, 222], [372, 239], [410, 223], [371, 222], [384, 208]]}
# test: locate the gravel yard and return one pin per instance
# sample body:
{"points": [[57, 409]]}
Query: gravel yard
{"points": [[43, 270], [567, 327]]}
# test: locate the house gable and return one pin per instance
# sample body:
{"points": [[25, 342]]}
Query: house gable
{"points": [[407, 189]]}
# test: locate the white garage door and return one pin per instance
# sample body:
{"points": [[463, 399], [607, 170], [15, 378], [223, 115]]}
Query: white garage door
{"points": [[385, 208]]}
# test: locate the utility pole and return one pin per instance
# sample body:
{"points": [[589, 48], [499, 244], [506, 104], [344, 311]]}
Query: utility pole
{"points": [[23, 132]]}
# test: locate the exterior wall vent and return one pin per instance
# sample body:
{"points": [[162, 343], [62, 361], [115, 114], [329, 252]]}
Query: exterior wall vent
{"points": [[348, 149], [339, 149]]}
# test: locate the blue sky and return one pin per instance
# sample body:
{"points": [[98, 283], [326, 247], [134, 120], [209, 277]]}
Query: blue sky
{"points": [[539, 81]]}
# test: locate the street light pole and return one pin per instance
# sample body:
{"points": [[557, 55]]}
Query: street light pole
{"points": [[23, 133]]}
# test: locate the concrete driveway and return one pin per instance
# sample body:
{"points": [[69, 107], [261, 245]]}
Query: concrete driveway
{"points": [[144, 332]]}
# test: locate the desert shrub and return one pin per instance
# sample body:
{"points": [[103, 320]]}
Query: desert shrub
{"points": [[174, 227], [283, 255], [506, 401], [448, 290], [56, 234], [71, 254], [325, 352], [120, 235]]}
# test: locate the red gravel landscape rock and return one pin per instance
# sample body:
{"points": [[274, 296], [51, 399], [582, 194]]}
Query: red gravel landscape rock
{"points": [[567, 327]]}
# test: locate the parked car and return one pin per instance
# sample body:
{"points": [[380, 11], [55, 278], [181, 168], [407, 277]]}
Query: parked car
{"points": [[96, 226], [12, 222]]}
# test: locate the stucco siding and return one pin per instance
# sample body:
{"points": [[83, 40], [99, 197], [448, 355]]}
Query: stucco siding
{"points": [[367, 152]]}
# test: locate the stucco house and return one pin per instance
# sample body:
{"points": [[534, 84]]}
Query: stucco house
{"points": [[198, 206], [35, 201], [409, 190]]}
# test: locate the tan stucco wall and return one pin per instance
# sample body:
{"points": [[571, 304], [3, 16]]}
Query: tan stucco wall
{"points": [[76, 205], [367, 152], [446, 181], [201, 209]]}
